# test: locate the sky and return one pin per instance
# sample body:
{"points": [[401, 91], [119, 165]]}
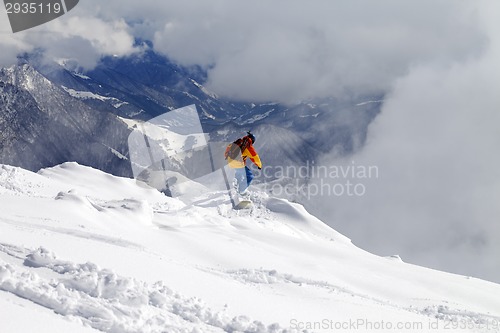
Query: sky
{"points": [[436, 200], [435, 142], [277, 50]]}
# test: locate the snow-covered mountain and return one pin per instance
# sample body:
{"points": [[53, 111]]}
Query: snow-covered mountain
{"points": [[84, 251], [41, 125], [52, 113]]}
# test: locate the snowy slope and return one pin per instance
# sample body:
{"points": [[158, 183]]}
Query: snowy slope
{"points": [[84, 251]]}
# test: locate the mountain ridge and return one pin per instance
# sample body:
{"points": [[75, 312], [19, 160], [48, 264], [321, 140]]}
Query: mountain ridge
{"points": [[64, 111]]}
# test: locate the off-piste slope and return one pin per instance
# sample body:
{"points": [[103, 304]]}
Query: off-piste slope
{"points": [[84, 251]]}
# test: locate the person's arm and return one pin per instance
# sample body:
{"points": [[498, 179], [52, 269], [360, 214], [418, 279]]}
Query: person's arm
{"points": [[254, 157]]}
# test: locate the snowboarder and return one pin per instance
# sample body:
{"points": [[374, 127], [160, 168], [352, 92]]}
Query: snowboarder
{"points": [[236, 155]]}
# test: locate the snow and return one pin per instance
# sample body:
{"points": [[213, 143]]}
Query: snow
{"points": [[223, 132], [84, 94], [310, 115], [257, 117], [120, 104], [28, 83], [207, 114], [85, 251], [81, 76], [116, 153], [205, 90], [369, 102], [22, 314], [116, 103], [106, 301], [21, 76], [171, 142]]}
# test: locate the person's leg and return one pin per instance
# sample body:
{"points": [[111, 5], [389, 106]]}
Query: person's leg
{"points": [[249, 175], [241, 178]]}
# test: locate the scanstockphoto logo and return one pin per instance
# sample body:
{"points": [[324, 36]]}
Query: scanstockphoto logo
{"points": [[25, 14], [172, 153], [311, 180]]}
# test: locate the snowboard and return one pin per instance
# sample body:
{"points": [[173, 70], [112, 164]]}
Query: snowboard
{"points": [[243, 204]]}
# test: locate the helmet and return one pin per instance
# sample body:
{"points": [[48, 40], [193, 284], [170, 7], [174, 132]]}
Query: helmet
{"points": [[251, 136]]}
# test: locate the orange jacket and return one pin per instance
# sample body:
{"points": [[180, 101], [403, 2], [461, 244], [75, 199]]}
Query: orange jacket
{"points": [[240, 162]]}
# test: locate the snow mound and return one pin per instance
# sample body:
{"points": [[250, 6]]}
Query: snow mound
{"points": [[19, 182], [132, 209], [100, 185], [298, 218], [276, 215], [73, 196], [106, 301], [395, 257]]}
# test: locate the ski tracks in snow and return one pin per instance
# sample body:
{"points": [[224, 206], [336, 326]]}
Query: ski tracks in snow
{"points": [[105, 301], [460, 319]]}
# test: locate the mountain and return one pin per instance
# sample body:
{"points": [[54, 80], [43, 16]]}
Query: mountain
{"points": [[54, 112], [41, 125], [85, 251]]}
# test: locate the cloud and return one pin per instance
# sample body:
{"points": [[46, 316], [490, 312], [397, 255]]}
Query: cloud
{"points": [[10, 46], [436, 145], [81, 37], [284, 50], [288, 51], [85, 39]]}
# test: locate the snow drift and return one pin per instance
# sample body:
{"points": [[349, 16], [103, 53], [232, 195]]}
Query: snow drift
{"points": [[84, 251]]}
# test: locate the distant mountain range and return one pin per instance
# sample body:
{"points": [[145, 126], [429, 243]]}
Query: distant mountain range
{"points": [[52, 113]]}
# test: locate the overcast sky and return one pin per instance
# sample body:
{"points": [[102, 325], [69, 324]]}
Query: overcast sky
{"points": [[436, 141], [284, 50]]}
